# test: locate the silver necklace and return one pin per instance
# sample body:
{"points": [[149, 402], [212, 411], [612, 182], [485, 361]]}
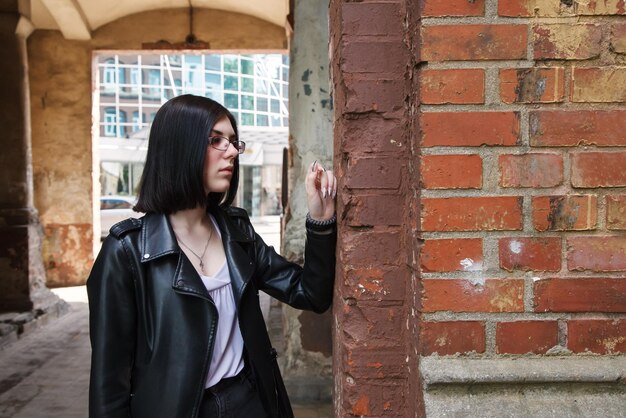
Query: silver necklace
{"points": [[200, 257]]}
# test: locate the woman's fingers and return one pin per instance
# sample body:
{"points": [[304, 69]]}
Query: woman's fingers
{"points": [[321, 181], [332, 184], [312, 178]]}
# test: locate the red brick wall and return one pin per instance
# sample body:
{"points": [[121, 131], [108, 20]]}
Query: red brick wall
{"points": [[523, 177], [481, 152]]}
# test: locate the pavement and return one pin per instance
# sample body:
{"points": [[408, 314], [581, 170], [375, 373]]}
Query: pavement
{"points": [[45, 374]]}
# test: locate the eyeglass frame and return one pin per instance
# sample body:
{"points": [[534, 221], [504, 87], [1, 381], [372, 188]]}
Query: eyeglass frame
{"points": [[240, 146]]}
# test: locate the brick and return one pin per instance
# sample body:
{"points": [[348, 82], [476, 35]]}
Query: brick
{"points": [[470, 129], [452, 337], [599, 169], [374, 57], [436, 8], [565, 213], [618, 38], [373, 173], [372, 135], [452, 255], [598, 85], [616, 212], [531, 170], [549, 8], [367, 19], [596, 253], [522, 337], [497, 213], [602, 336], [374, 210], [373, 325], [452, 171], [514, 8], [530, 253], [567, 41], [473, 42], [532, 85], [363, 362], [456, 86], [377, 283], [363, 249], [380, 95], [361, 398], [553, 128], [580, 295], [467, 295]]}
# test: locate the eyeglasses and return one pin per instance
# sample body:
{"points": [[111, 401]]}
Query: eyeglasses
{"points": [[221, 143]]}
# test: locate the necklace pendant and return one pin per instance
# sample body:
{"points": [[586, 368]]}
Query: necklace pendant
{"points": [[202, 266]]}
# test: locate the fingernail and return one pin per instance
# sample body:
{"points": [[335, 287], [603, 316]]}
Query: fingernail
{"points": [[313, 167], [334, 193], [324, 191]]}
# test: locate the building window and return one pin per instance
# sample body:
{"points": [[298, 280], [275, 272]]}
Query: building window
{"points": [[108, 78], [136, 121], [110, 122], [122, 120]]}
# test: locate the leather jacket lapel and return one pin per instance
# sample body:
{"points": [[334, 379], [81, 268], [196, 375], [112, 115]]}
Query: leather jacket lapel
{"points": [[157, 239], [236, 244]]}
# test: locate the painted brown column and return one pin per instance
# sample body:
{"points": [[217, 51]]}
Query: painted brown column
{"points": [[22, 278], [375, 128]]}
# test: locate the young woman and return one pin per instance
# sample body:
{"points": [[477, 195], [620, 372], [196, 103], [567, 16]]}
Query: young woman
{"points": [[176, 327]]}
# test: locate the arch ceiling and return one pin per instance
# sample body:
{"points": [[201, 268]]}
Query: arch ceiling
{"points": [[76, 19]]}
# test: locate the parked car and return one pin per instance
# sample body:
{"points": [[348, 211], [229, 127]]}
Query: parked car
{"points": [[114, 209]]}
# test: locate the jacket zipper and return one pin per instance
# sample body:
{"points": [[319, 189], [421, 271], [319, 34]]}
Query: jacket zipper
{"points": [[205, 365]]}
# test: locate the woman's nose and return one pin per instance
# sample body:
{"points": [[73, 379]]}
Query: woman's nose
{"points": [[231, 151]]}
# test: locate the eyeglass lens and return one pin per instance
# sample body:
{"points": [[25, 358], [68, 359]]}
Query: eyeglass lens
{"points": [[221, 143]]}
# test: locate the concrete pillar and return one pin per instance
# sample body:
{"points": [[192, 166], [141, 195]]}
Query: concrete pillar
{"points": [[61, 106], [307, 359], [22, 277]]}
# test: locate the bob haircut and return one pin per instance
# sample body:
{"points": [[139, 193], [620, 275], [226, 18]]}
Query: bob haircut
{"points": [[172, 178]]}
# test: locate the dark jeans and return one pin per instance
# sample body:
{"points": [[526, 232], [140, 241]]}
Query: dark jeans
{"points": [[233, 397]]}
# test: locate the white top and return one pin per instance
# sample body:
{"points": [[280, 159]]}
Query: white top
{"points": [[227, 359]]}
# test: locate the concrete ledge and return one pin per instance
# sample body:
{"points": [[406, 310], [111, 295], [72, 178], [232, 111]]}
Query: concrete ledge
{"points": [[446, 371], [550, 387], [16, 325]]}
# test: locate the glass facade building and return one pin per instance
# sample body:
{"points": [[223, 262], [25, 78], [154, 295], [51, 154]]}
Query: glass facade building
{"points": [[254, 87]]}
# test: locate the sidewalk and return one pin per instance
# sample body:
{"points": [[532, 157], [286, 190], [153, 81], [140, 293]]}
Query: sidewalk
{"points": [[46, 373]]}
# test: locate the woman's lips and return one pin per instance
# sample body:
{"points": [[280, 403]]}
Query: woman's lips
{"points": [[226, 170]]}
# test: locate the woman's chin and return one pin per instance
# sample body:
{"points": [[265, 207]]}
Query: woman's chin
{"points": [[218, 188]]}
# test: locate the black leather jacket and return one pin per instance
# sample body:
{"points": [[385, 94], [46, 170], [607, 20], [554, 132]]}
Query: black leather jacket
{"points": [[152, 322]]}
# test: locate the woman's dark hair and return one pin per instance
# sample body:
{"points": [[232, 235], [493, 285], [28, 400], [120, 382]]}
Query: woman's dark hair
{"points": [[172, 178]]}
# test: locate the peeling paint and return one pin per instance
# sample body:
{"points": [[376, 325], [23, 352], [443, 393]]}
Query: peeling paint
{"points": [[506, 301], [515, 247], [467, 263], [361, 407], [442, 341], [477, 281], [611, 343]]}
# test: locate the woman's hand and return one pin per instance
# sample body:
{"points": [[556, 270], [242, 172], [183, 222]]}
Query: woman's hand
{"points": [[321, 190]]}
